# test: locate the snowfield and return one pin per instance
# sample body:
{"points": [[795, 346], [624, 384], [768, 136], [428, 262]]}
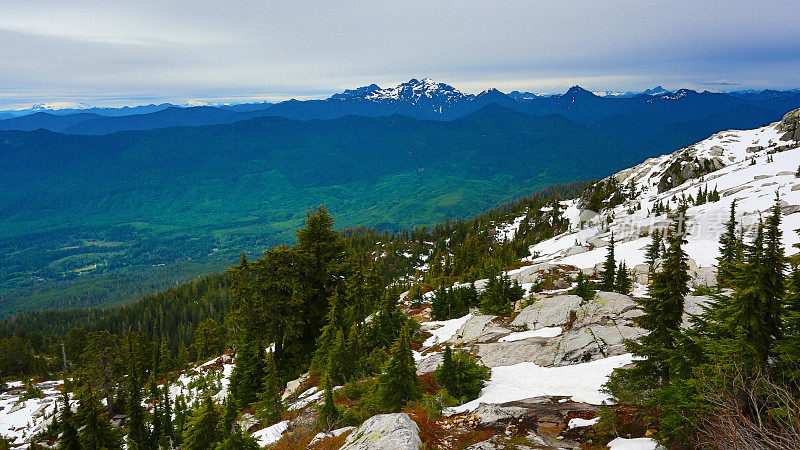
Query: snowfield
{"points": [[753, 186], [580, 382]]}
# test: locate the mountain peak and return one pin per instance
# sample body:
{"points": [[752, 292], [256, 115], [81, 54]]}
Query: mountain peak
{"points": [[658, 90], [357, 92], [577, 90]]}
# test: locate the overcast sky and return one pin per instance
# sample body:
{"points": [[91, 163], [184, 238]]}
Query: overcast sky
{"points": [[114, 53]]}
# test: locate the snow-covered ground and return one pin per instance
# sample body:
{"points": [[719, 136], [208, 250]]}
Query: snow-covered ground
{"points": [[581, 382], [753, 186], [445, 329], [21, 419]]}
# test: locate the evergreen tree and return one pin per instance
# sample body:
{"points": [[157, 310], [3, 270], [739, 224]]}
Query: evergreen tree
{"points": [[137, 434], [323, 252], [227, 423], [623, 283], [181, 418], [500, 295], [440, 306], [774, 267], [238, 440], [329, 413], [269, 404], [788, 347], [748, 314], [354, 351], [730, 250], [202, 430], [68, 438], [387, 323], [663, 312], [340, 368], [609, 268], [96, 432], [156, 428], [168, 432], [164, 357], [444, 373], [248, 372], [462, 377], [585, 288], [398, 383], [653, 252]]}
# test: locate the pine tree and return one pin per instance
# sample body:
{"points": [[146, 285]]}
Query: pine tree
{"points": [[167, 426], [730, 250], [500, 295], [164, 357], [269, 404], [398, 383], [68, 438], [653, 252], [444, 373], [440, 306], [584, 289], [227, 423], [354, 351], [156, 429], [788, 347], [202, 430], [137, 434], [461, 376], [623, 283], [183, 356], [747, 315], [248, 372], [181, 418], [238, 440], [663, 312], [96, 432], [774, 267], [387, 323], [329, 413], [609, 268]]}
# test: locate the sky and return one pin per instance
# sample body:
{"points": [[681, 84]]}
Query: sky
{"points": [[126, 53]]}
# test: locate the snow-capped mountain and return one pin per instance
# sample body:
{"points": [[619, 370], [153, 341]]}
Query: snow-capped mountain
{"points": [[658, 90]]}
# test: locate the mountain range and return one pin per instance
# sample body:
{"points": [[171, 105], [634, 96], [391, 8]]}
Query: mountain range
{"points": [[420, 99]]}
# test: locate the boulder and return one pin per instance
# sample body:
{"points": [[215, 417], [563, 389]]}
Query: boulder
{"points": [[594, 342], [596, 242], [693, 305], [641, 273], [535, 350], [429, 363], [703, 276], [329, 434], [495, 416], [576, 250], [790, 125], [293, 385], [614, 302], [476, 329], [548, 312], [385, 432]]}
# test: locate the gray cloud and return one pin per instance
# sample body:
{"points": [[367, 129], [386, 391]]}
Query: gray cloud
{"points": [[140, 52]]}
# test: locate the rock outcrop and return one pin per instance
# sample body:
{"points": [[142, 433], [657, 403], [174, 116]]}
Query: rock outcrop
{"points": [[385, 432], [548, 312], [790, 124]]}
